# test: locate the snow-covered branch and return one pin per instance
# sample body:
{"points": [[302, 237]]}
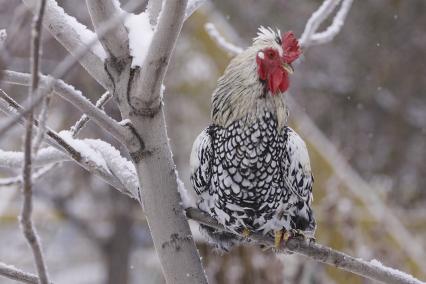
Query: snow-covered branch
{"points": [[310, 35], [221, 41], [74, 36], [73, 148], [147, 98], [115, 41], [75, 97], [16, 274], [46, 156], [369, 269]]}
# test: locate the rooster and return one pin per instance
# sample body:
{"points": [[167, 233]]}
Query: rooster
{"points": [[251, 171]]}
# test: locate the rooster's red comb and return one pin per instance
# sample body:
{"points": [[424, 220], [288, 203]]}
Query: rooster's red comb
{"points": [[291, 47]]}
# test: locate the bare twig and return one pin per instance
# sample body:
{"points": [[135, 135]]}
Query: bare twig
{"points": [[41, 131], [28, 228], [371, 270], [84, 119], [13, 273]]}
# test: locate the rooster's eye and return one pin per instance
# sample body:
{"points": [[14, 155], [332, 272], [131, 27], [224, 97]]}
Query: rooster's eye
{"points": [[271, 54]]}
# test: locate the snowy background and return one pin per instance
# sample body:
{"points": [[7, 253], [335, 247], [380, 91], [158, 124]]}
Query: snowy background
{"points": [[365, 91]]}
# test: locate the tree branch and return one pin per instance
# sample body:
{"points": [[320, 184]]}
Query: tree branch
{"points": [[338, 21], [146, 98], [74, 36], [316, 19], [13, 273], [372, 270], [27, 226], [75, 97], [9, 106], [227, 46], [138, 94], [116, 40], [41, 131], [84, 119]]}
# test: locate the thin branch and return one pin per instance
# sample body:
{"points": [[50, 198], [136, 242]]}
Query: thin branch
{"points": [[13, 273], [67, 64], [372, 270], [338, 21], [221, 41], [9, 106], [148, 85], [42, 118], [74, 37], [316, 19], [17, 180], [116, 40], [45, 158], [84, 119], [75, 97], [192, 6], [27, 226]]}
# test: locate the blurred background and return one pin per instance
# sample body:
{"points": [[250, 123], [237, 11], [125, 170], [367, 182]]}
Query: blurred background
{"points": [[359, 102]]}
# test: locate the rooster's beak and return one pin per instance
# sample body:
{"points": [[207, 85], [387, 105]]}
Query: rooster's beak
{"points": [[287, 67]]}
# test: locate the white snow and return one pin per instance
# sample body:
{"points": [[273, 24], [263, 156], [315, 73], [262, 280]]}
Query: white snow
{"points": [[86, 35], [187, 200], [12, 159], [120, 167], [105, 156], [140, 36], [89, 154], [395, 272]]}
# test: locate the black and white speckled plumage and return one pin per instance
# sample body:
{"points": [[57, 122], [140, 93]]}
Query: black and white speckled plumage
{"points": [[250, 170], [254, 176]]}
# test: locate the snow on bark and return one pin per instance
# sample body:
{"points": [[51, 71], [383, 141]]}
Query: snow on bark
{"points": [[395, 272], [120, 167], [140, 36], [86, 35]]}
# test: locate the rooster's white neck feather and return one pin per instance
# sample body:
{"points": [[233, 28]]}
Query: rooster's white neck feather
{"points": [[240, 94]]}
